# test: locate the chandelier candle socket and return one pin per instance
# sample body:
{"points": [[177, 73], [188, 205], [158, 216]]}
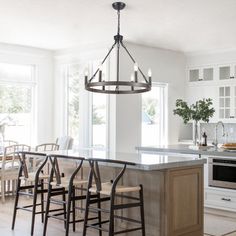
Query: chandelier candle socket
{"points": [[135, 85]]}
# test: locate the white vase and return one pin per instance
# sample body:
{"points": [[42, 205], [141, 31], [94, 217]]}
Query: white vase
{"points": [[196, 132]]}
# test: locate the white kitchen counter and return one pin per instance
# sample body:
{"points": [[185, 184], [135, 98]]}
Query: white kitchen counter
{"points": [[142, 161], [184, 149]]}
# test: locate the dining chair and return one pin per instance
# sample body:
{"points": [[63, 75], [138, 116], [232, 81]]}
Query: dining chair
{"points": [[9, 167], [30, 182], [47, 147], [65, 142], [9, 142]]}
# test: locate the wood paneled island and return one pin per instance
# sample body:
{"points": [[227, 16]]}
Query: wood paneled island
{"points": [[173, 189]]}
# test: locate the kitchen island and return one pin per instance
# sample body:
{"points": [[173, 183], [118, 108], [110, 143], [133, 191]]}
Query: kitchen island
{"points": [[173, 189]]}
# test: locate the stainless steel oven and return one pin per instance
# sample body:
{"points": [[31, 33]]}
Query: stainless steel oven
{"points": [[222, 172]]}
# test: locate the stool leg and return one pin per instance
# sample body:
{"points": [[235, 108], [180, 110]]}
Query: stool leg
{"points": [[99, 215], [64, 207], [111, 218], [68, 211], [42, 201], [142, 210], [34, 207], [86, 214], [73, 208], [16, 204], [47, 209]]}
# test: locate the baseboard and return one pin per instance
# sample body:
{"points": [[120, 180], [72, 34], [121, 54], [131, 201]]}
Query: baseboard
{"points": [[220, 212]]}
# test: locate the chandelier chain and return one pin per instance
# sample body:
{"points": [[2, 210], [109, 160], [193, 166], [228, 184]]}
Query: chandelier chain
{"points": [[118, 86]]}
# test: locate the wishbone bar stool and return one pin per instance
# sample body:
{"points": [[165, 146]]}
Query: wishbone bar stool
{"points": [[109, 191]]}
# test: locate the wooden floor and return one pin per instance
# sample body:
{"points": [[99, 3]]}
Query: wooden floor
{"points": [[22, 226], [55, 228]]}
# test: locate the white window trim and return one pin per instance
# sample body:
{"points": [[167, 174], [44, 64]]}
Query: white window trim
{"points": [[164, 116]]}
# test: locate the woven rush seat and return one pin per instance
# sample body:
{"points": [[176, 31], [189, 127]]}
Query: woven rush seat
{"points": [[32, 175], [107, 187], [65, 182]]}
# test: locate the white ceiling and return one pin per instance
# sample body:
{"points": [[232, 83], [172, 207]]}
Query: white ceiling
{"points": [[183, 25]]}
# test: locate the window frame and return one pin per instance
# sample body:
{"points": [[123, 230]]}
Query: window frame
{"points": [[32, 85], [163, 134], [86, 132]]}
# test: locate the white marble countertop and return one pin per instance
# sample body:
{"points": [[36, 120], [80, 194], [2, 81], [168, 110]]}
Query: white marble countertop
{"points": [[142, 161], [184, 149]]}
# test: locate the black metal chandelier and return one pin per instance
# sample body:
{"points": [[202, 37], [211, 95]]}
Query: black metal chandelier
{"points": [[136, 85]]}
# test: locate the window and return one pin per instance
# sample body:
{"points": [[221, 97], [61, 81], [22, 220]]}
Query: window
{"points": [[17, 102], [73, 93], [89, 109], [154, 116], [99, 119]]}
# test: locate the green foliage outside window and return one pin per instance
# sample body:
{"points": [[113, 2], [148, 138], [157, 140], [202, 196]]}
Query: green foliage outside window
{"points": [[150, 107], [15, 99]]}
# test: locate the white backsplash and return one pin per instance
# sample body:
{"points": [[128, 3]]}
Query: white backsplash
{"points": [[209, 128]]}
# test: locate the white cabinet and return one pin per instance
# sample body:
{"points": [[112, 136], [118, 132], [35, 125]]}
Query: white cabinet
{"points": [[200, 74], [220, 199], [217, 82]]}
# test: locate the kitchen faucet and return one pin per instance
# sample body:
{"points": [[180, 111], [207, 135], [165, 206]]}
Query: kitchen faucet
{"points": [[216, 132]]}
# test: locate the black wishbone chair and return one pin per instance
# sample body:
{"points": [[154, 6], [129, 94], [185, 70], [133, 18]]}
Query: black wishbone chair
{"points": [[69, 186], [111, 191], [31, 180]]}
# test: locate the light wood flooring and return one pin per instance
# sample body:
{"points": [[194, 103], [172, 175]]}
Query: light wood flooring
{"points": [[22, 226]]}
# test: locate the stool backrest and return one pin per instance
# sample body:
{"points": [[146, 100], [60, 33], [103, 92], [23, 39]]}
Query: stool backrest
{"points": [[95, 173], [31, 162], [63, 165]]}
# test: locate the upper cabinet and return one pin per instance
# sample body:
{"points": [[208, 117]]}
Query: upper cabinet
{"points": [[217, 82], [226, 72], [200, 74]]}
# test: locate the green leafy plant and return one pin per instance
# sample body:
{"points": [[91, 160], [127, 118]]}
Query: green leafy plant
{"points": [[201, 110]]}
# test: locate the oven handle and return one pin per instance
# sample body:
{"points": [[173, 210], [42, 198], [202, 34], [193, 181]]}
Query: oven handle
{"points": [[222, 164]]}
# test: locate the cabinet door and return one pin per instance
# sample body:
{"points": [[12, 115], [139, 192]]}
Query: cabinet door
{"points": [[201, 74], [208, 73], [226, 72], [225, 102], [194, 75], [184, 202]]}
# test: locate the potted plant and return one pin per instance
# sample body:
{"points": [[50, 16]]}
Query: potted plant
{"points": [[202, 110]]}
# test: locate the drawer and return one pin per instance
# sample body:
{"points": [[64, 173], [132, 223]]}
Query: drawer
{"points": [[220, 199]]}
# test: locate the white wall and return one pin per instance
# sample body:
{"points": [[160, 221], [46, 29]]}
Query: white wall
{"points": [[43, 60], [211, 58], [167, 66]]}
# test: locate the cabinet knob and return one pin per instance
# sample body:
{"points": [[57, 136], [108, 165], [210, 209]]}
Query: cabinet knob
{"points": [[226, 199], [231, 117], [231, 77]]}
